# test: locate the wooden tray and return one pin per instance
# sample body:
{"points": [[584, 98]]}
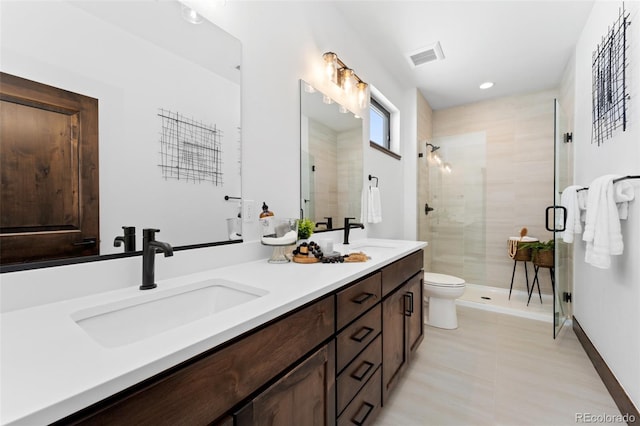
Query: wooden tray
{"points": [[356, 257], [305, 259]]}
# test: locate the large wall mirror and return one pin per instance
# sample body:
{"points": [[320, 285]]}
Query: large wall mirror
{"points": [[168, 95], [331, 150]]}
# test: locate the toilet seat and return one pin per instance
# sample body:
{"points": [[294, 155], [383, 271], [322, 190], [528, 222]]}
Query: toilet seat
{"points": [[442, 280]]}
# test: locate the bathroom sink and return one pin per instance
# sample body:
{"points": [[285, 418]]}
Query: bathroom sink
{"points": [[134, 319], [370, 246]]}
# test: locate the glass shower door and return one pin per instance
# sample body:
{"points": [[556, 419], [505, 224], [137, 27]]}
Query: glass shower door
{"points": [[563, 261]]}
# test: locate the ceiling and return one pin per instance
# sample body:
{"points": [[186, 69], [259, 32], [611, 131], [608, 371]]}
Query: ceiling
{"points": [[521, 46]]}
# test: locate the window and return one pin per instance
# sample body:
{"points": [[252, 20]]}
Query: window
{"points": [[379, 124]]}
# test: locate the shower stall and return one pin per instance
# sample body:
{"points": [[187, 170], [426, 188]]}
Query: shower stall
{"points": [[479, 188]]}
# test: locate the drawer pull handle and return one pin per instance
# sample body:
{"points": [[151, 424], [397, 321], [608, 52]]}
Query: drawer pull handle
{"points": [[362, 334], [363, 298], [359, 374], [408, 311], [365, 406]]}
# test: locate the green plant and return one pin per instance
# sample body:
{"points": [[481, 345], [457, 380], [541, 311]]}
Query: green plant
{"points": [[305, 228], [537, 246]]}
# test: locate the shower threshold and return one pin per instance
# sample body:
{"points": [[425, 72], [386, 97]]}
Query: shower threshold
{"points": [[496, 299]]}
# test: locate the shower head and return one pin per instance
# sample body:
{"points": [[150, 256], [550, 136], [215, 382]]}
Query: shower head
{"points": [[433, 147]]}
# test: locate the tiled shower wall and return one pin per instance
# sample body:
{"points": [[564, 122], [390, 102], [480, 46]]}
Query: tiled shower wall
{"points": [[519, 175], [337, 180]]}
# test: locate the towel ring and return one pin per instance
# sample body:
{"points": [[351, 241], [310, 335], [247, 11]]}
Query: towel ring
{"points": [[374, 177]]}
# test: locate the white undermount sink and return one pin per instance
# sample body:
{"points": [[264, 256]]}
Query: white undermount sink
{"points": [[136, 318], [370, 246]]}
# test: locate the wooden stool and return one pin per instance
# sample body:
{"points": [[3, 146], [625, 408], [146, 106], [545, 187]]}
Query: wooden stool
{"points": [[513, 274], [537, 281], [518, 254]]}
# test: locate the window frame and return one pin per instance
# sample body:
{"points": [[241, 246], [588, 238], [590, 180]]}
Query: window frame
{"points": [[386, 115]]}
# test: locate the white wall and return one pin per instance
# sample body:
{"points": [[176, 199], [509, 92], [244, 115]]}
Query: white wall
{"points": [[607, 302]]}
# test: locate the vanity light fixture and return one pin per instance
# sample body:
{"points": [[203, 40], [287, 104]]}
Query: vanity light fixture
{"points": [[191, 15], [339, 73], [486, 85], [343, 109], [327, 100]]}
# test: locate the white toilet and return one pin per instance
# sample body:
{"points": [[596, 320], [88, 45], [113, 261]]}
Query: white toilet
{"points": [[442, 292]]}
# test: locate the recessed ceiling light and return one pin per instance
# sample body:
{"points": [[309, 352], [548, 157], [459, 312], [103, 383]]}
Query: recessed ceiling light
{"points": [[486, 85]]}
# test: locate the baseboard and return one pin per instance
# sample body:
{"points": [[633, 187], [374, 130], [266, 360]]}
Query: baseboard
{"points": [[620, 397]]}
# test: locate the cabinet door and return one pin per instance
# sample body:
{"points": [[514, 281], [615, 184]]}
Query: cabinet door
{"points": [[304, 396], [415, 324], [394, 352]]}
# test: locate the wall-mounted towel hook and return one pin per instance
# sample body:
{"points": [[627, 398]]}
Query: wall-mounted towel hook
{"points": [[374, 177]]}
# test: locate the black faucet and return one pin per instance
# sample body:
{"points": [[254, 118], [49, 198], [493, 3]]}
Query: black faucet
{"points": [[328, 223], [149, 249], [129, 239], [348, 226]]}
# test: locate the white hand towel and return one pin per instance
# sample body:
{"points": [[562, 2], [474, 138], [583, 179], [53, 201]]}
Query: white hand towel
{"points": [[375, 206], [569, 200], [602, 228]]}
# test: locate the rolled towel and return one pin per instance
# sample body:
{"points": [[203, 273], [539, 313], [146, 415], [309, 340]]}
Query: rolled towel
{"points": [[569, 200], [623, 193]]}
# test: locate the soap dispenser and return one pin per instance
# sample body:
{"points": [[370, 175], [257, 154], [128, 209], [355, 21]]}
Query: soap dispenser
{"points": [[265, 211]]}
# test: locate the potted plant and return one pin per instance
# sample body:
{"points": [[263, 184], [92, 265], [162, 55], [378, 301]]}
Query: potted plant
{"points": [[542, 252], [305, 228]]}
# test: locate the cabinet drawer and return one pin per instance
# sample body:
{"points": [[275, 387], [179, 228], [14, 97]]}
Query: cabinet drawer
{"points": [[365, 406], [353, 378], [357, 299], [400, 271], [355, 337]]}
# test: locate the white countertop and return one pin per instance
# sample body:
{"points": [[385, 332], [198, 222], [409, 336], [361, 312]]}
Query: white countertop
{"points": [[51, 368]]}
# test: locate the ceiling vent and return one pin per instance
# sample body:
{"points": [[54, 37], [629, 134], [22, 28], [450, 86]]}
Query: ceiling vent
{"points": [[426, 54]]}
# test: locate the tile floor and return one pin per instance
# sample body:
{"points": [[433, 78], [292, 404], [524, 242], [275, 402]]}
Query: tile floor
{"points": [[497, 369]]}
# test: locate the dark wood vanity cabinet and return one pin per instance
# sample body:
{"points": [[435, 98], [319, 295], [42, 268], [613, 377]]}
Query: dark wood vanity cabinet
{"points": [[304, 396], [333, 361], [402, 317]]}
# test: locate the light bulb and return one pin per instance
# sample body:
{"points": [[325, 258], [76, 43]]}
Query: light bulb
{"points": [[327, 100], [346, 80], [343, 109], [362, 94], [331, 66]]}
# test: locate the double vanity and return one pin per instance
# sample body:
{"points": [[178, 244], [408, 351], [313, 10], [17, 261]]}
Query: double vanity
{"points": [[252, 343]]}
